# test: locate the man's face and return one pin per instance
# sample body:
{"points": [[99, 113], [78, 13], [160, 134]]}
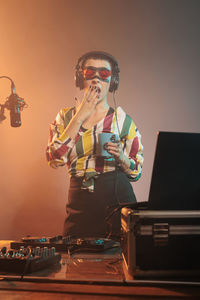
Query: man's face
{"points": [[97, 72]]}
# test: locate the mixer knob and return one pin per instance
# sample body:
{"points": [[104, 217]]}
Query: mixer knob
{"points": [[3, 250], [10, 253]]}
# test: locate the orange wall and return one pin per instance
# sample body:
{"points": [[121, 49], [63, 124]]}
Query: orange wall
{"points": [[157, 45]]}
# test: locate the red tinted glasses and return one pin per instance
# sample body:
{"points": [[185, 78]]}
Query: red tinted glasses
{"points": [[90, 73]]}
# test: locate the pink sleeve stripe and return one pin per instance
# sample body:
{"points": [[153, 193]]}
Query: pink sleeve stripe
{"points": [[134, 147]]}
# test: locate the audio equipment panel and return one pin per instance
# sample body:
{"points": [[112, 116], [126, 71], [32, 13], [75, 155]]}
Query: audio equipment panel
{"points": [[27, 260], [68, 243]]}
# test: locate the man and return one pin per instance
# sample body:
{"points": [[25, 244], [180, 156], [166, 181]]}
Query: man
{"points": [[96, 183]]}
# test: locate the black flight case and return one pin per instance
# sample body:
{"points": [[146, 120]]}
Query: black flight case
{"points": [[161, 243]]}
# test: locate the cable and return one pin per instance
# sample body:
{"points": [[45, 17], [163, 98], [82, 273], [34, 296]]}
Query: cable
{"points": [[116, 206], [115, 105], [13, 89]]}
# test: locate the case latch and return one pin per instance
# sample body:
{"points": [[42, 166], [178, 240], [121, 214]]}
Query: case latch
{"points": [[160, 234]]}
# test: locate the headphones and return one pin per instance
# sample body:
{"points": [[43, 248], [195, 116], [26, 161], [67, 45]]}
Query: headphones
{"points": [[79, 79]]}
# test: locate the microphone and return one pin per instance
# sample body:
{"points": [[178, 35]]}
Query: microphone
{"points": [[14, 107], [15, 104]]}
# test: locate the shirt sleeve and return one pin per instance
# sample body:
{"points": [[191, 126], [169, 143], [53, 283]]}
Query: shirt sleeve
{"points": [[59, 143], [133, 149]]}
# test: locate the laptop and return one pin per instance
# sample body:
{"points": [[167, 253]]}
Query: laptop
{"points": [[175, 182]]}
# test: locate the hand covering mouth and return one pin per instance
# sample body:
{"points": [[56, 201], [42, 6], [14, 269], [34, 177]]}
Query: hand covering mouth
{"points": [[98, 88]]}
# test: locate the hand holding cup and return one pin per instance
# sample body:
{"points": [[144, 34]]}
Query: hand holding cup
{"points": [[109, 144]]}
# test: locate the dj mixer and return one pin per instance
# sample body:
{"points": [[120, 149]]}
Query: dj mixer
{"points": [[66, 244]]}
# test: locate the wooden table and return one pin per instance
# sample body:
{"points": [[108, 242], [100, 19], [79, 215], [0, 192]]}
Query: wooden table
{"points": [[90, 276]]}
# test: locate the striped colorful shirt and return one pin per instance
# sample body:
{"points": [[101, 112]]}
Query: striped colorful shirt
{"points": [[82, 154]]}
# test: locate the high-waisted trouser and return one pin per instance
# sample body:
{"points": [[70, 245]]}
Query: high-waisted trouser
{"points": [[87, 211]]}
